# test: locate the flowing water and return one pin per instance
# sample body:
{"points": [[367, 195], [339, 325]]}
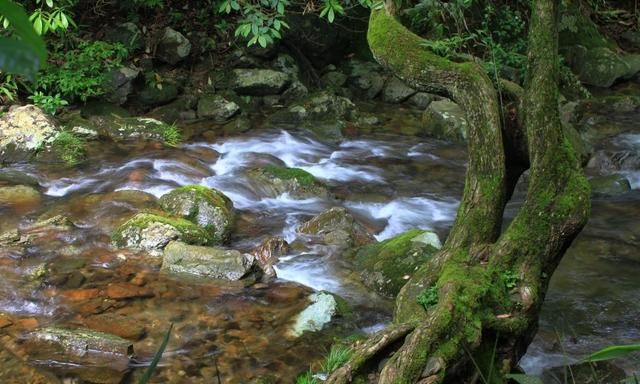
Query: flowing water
{"points": [[230, 333]]}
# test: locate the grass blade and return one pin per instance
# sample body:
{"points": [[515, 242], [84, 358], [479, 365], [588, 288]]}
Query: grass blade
{"points": [[612, 352], [154, 363]]}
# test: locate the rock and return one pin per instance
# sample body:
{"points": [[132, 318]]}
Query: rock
{"points": [[217, 108], [321, 113], [333, 79], [422, 99], [19, 195], [124, 290], [609, 185], [632, 38], [314, 318], [258, 82], [599, 67], [396, 91], [337, 227], [15, 177], [181, 109], [153, 232], [127, 34], [120, 84], [24, 130], [206, 207], [585, 373], [210, 262], [386, 266], [268, 253], [15, 370], [286, 64], [173, 47], [606, 162], [445, 119], [294, 92], [273, 181], [138, 129], [80, 346], [119, 325], [365, 81], [153, 95]]}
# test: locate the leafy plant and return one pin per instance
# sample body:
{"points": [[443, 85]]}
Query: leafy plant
{"points": [[172, 136], [48, 103], [81, 72], [428, 297], [612, 352], [337, 357], [8, 87], [26, 55], [448, 46], [510, 279], [48, 16]]}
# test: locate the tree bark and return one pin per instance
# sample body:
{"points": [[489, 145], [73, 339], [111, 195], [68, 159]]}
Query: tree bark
{"points": [[482, 324]]}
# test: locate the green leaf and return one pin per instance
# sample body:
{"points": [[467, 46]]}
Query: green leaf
{"points": [[50, 3], [154, 363], [33, 53], [262, 41], [331, 15], [612, 352], [524, 379]]}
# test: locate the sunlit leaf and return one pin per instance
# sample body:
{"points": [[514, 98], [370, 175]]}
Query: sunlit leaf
{"points": [[612, 352]]}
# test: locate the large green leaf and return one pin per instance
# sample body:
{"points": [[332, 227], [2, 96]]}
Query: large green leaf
{"points": [[612, 352], [26, 54]]}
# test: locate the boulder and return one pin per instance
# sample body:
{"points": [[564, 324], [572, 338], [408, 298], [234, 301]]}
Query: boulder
{"points": [[258, 82], [217, 108], [286, 64], [337, 227], [333, 79], [206, 207], [16, 177], [274, 181], [24, 130], [294, 92], [268, 253], [396, 91], [181, 109], [19, 195], [446, 120], [173, 47], [120, 84], [316, 316], [610, 185], [137, 129], [599, 67], [365, 80], [386, 266], [127, 34], [421, 100], [153, 95], [210, 262], [151, 232]]}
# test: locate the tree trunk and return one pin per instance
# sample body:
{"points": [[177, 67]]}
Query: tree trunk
{"points": [[490, 286]]}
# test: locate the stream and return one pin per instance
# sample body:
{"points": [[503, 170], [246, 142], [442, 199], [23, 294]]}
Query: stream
{"points": [[234, 333]]}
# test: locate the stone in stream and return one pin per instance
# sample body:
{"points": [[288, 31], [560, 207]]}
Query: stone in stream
{"points": [[217, 108], [206, 207], [124, 129], [337, 227], [268, 253], [258, 82], [152, 232], [316, 316], [446, 120], [19, 194], [16, 177], [610, 185], [104, 357], [386, 266], [209, 262], [274, 180], [25, 130]]}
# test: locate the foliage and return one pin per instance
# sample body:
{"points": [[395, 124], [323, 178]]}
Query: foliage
{"points": [[171, 136], [156, 358], [612, 352], [261, 22], [307, 378], [446, 47], [48, 16], [8, 87], [510, 279], [428, 297], [48, 103], [81, 72], [26, 54], [338, 356], [69, 147]]}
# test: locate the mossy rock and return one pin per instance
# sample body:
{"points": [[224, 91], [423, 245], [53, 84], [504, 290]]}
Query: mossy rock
{"points": [[123, 129], [274, 180], [206, 207], [386, 266], [152, 232], [337, 227]]}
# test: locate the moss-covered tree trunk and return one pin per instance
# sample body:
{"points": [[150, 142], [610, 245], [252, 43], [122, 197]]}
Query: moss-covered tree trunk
{"points": [[490, 286]]}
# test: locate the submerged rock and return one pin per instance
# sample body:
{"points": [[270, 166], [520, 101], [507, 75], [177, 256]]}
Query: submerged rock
{"points": [[25, 130], [337, 227], [210, 262], [217, 108], [15, 370], [153, 232], [206, 207], [386, 266], [19, 195], [274, 181], [15, 177], [610, 185], [317, 315]]}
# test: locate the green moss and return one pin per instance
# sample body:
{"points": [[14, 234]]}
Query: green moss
{"points": [[171, 135], [303, 177], [190, 233], [428, 297], [69, 148]]}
